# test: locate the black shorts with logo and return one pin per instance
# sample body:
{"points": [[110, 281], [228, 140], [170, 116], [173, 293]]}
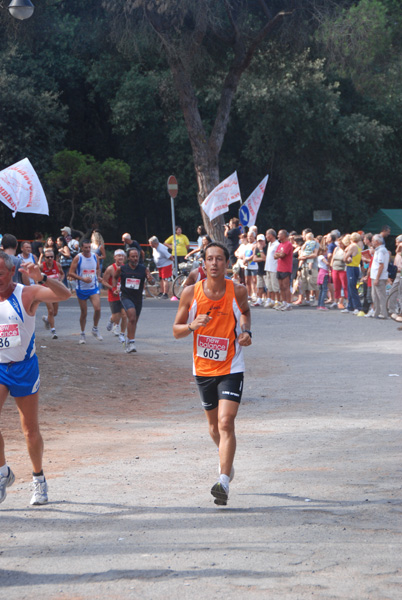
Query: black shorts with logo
{"points": [[223, 387]]}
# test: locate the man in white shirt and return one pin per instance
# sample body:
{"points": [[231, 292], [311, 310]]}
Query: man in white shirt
{"points": [[271, 265], [379, 276], [163, 262]]}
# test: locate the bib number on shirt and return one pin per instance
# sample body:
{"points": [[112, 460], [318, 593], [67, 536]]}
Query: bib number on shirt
{"points": [[9, 336], [133, 284], [89, 273], [213, 348]]}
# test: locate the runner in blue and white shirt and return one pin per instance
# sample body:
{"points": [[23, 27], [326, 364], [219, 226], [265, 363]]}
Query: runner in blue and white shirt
{"points": [[85, 270]]}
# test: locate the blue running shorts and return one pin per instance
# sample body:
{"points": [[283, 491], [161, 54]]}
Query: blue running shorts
{"points": [[21, 378]]}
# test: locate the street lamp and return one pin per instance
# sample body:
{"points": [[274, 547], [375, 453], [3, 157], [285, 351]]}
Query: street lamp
{"points": [[21, 9]]}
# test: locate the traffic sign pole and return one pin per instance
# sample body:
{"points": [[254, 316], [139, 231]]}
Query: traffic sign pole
{"points": [[172, 191]]}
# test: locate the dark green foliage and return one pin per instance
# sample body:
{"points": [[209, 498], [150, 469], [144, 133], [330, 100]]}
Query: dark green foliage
{"points": [[325, 123]]}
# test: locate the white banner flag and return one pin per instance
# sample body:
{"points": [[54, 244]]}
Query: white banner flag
{"points": [[217, 202], [21, 190], [248, 211]]}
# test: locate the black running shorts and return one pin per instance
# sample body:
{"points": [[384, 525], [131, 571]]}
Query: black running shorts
{"points": [[224, 387]]}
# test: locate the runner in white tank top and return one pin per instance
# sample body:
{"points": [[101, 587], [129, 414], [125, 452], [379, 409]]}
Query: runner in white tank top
{"points": [[19, 371], [85, 270]]}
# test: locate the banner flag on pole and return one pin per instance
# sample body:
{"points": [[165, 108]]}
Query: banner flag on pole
{"points": [[248, 211], [217, 202], [21, 190]]}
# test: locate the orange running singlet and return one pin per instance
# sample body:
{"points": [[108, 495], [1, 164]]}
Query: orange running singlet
{"points": [[216, 350]]}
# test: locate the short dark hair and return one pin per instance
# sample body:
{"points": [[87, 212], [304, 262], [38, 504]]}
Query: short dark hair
{"points": [[218, 245], [9, 241], [130, 250], [84, 241]]}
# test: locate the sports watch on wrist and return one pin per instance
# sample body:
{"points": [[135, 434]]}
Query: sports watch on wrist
{"points": [[43, 280], [247, 331]]}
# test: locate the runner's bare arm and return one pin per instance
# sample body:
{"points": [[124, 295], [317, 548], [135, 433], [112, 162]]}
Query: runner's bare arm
{"points": [[106, 276], [181, 328], [71, 272], [115, 277], [51, 291], [241, 295], [148, 275], [98, 271]]}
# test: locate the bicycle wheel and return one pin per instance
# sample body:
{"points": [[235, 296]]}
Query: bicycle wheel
{"points": [[153, 289], [178, 285], [394, 302]]}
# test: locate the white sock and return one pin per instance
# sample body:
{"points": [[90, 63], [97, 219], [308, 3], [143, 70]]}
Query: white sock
{"points": [[4, 470], [39, 478], [129, 341], [224, 480]]}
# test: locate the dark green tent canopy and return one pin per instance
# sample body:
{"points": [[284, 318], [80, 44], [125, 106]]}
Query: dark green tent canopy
{"points": [[385, 216]]}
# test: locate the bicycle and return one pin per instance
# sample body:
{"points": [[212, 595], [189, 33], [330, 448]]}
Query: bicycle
{"points": [[152, 289], [179, 280]]}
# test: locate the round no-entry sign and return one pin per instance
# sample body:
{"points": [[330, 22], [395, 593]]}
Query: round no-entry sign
{"points": [[173, 188]]}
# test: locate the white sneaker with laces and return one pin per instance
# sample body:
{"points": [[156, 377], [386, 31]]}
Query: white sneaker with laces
{"points": [[39, 495], [109, 326], [54, 335], [5, 482], [122, 338], [356, 311], [131, 348], [96, 334], [370, 314], [46, 322], [116, 329], [83, 339]]}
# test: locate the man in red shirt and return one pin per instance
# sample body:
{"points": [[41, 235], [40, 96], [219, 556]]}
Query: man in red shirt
{"points": [[52, 270], [284, 254]]}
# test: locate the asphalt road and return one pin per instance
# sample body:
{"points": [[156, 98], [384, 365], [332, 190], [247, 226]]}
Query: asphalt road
{"points": [[315, 506]]}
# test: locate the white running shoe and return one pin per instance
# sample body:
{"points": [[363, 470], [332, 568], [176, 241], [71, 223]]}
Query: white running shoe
{"points": [[5, 482], [83, 339], [109, 326], [39, 495], [96, 334], [370, 314], [131, 348], [221, 493], [46, 322], [54, 335], [356, 311], [116, 329], [122, 338]]}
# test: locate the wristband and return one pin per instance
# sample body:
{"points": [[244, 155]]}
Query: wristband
{"points": [[248, 331], [43, 280], [189, 328]]}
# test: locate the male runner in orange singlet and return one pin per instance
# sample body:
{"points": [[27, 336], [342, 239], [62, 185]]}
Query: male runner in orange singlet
{"points": [[216, 311]]}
